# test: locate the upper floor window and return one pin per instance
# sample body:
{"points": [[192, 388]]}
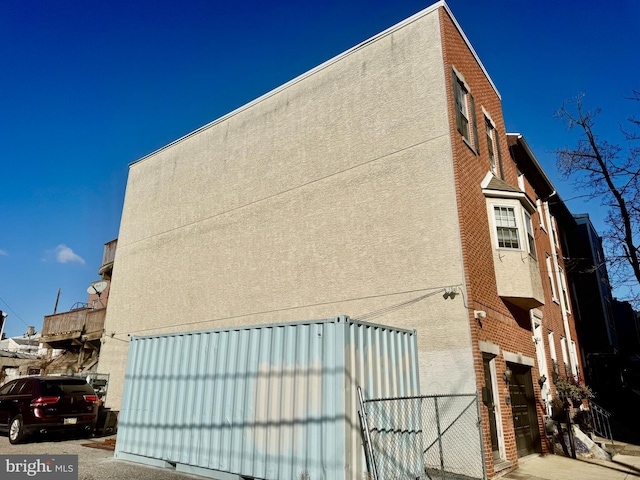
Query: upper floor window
{"points": [[506, 227], [465, 111], [531, 241], [462, 110], [565, 358], [491, 143], [521, 180], [552, 351], [540, 208], [563, 287], [554, 293], [554, 232]]}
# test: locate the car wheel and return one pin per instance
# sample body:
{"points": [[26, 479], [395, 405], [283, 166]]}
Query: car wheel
{"points": [[16, 430]]}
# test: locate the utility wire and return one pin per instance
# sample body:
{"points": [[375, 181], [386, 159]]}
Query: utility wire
{"points": [[13, 311], [212, 320], [393, 308]]}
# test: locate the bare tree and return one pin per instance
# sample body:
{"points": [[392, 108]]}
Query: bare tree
{"points": [[609, 172]]}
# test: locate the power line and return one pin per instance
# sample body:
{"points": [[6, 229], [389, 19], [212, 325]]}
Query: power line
{"points": [[377, 313], [13, 311]]}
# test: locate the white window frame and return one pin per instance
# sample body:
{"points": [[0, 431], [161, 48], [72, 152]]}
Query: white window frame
{"points": [[520, 180], [564, 290], [461, 98], [517, 227], [552, 352], [540, 207], [574, 359], [554, 233], [465, 111], [492, 143], [536, 327], [565, 356], [551, 273], [529, 234]]}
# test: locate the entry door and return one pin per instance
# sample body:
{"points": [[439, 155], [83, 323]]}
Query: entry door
{"points": [[523, 408]]}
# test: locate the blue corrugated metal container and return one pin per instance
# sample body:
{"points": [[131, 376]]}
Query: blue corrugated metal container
{"points": [[271, 401]]}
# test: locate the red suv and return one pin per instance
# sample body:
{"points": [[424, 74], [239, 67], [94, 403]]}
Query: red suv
{"points": [[45, 404]]}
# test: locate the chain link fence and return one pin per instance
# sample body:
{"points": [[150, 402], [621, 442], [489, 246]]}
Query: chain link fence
{"points": [[435, 437]]}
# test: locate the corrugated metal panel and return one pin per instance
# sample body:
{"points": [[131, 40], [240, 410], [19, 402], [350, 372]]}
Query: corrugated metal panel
{"points": [[269, 401]]}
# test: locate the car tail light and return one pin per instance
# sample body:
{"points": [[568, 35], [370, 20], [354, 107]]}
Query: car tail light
{"points": [[44, 401], [91, 398]]}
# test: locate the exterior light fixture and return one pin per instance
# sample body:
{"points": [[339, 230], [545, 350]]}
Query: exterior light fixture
{"points": [[542, 380]]}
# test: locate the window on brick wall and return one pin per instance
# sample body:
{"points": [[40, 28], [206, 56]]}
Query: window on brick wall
{"points": [[574, 359], [506, 227], [565, 356], [550, 273], [563, 288], [491, 143], [531, 241], [552, 352], [465, 111], [540, 209]]}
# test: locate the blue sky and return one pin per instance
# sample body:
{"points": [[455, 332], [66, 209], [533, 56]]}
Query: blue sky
{"points": [[88, 87]]}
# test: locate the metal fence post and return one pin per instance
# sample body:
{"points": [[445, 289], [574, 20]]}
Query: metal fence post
{"points": [[367, 437], [439, 438], [484, 463]]}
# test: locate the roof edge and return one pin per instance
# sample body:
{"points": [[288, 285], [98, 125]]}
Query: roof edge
{"points": [[443, 4], [521, 140], [428, 10]]}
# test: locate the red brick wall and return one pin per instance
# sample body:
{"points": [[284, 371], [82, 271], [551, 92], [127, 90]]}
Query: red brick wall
{"points": [[506, 326]]}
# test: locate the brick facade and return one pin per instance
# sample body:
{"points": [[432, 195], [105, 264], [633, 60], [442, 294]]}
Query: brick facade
{"points": [[506, 325]]}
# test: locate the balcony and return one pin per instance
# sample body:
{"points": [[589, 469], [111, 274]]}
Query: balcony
{"points": [[74, 327], [107, 259]]}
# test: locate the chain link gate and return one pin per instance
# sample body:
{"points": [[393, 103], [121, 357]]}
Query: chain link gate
{"points": [[435, 437]]}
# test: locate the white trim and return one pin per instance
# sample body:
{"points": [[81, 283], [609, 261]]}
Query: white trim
{"points": [[528, 222], [565, 354], [524, 200], [497, 411], [541, 356], [519, 227], [518, 358], [540, 208], [551, 274]]}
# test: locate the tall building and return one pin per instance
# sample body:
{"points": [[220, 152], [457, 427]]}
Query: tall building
{"points": [[380, 185]]}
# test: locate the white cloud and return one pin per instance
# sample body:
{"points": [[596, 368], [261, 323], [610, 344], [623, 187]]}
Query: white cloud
{"points": [[3, 253], [65, 255]]}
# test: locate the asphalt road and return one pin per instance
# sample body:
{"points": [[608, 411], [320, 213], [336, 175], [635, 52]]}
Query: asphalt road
{"points": [[93, 463]]}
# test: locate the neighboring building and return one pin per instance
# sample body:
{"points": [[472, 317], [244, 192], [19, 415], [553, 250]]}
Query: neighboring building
{"points": [[595, 318], [609, 331], [73, 338], [628, 328], [379, 185], [20, 356], [27, 343], [15, 364]]}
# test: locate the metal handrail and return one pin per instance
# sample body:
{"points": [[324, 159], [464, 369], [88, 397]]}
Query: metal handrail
{"points": [[601, 421]]}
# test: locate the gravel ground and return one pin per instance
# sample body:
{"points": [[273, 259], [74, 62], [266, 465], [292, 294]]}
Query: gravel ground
{"points": [[93, 463]]}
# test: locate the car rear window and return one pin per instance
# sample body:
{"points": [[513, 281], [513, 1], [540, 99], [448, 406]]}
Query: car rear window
{"points": [[65, 387], [27, 388]]}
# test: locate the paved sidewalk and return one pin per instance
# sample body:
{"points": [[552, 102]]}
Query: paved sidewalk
{"points": [[624, 466]]}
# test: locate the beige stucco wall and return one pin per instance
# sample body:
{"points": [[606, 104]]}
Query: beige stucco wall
{"points": [[332, 195]]}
